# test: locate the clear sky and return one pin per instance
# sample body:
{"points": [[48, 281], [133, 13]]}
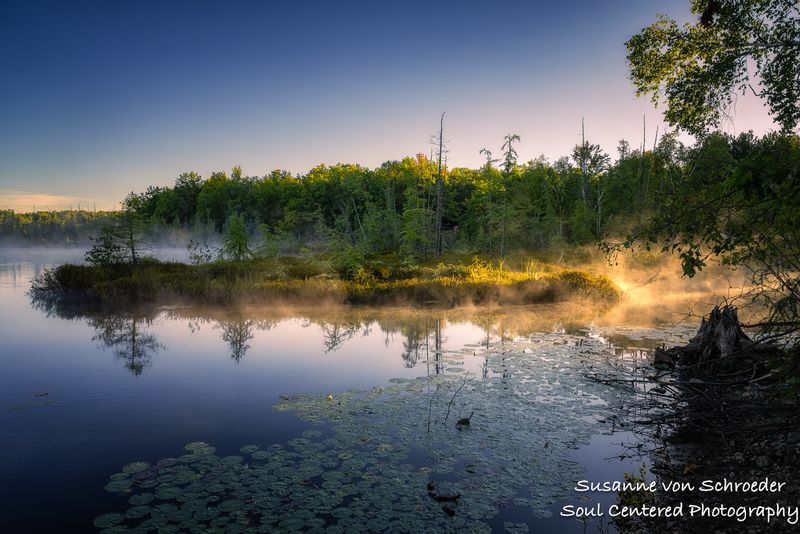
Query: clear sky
{"points": [[98, 98]]}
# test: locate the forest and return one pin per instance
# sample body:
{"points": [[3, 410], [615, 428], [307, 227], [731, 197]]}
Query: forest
{"points": [[418, 208], [68, 227], [394, 209]]}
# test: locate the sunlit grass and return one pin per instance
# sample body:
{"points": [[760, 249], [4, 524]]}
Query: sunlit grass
{"points": [[310, 280]]}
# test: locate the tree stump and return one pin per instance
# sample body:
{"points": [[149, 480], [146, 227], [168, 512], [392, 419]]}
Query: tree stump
{"points": [[719, 337]]}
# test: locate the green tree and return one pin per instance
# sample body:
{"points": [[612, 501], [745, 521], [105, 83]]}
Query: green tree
{"points": [[697, 68], [235, 241], [106, 249], [187, 188], [214, 199], [132, 227], [593, 163], [735, 199], [415, 234]]}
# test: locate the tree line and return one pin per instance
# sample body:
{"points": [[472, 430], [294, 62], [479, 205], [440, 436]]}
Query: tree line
{"points": [[64, 227], [418, 207]]}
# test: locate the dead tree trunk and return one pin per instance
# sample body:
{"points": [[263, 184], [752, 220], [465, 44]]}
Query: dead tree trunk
{"points": [[439, 191], [718, 339]]}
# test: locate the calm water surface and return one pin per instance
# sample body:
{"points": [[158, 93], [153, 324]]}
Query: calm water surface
{"points": [[82, 395]]}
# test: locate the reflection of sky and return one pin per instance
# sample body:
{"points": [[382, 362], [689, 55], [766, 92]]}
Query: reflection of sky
{"points": [[96, 416], [71, 413], [99, 98]]}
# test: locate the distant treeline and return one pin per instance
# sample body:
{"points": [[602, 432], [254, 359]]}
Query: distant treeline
{"points": [[65, 227], [393, 208]]}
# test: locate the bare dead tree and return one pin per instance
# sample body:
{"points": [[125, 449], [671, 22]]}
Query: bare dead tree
{"points": [[509, 164], [439, 140], [584, 180]]}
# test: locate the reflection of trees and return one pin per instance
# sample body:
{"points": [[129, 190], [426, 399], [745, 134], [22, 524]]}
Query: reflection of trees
{"points": [[128, 338], [417, 344], [237, 334], [236, 331], [334, 335], [413, 344], [437, 347], [486, 325]]}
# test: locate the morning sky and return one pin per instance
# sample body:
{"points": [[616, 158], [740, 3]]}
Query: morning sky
{"points": [[99, 98]]}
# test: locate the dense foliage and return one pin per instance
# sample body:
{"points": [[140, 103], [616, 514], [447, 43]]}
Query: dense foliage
{"points": [[733, 46], [391, 209], [54, 227], [736, 198]]}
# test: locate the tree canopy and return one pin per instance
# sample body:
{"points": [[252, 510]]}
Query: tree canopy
{"points": [[733, 46], [734, 199]]}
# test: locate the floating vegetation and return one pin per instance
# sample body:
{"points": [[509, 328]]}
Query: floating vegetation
{"points": [[142, 498], [486, 444], [119, 486], [515, 528], [137, 512], [108, 520], [135, 467], [199, 447]]}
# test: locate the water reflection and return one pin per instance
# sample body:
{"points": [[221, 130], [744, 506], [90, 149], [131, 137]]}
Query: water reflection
{"points": [[236, 334], [417, 345], [18, 275], [129, 339], [414, 344], [425, 334], [334, 335], [191, 390]]}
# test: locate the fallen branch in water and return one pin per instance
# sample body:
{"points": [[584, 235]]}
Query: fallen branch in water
{"points": [[452, 400]]}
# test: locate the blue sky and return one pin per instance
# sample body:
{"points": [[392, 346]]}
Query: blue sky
{"points": [[101, 98]]}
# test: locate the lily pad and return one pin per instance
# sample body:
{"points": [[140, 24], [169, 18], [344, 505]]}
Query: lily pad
{"points": [[135, 467], [167, 462], [197, 446], [108, 520], [118, 486], [206, 514], [137, 512], [231, 505], [167, 493], [142, 498]]}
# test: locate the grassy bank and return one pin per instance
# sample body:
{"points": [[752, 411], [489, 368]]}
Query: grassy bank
{"points": [[309, 281]]}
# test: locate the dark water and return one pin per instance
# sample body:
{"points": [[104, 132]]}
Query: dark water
{"points": [[83, 394]]}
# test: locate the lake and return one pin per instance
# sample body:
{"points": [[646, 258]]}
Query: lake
{"points": [[321, 420]]}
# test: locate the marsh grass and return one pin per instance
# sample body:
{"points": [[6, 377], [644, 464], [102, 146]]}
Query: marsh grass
{"points": [[310, 280]]}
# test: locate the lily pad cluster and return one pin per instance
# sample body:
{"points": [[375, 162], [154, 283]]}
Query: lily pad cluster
{"points": [[370, 467]]}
